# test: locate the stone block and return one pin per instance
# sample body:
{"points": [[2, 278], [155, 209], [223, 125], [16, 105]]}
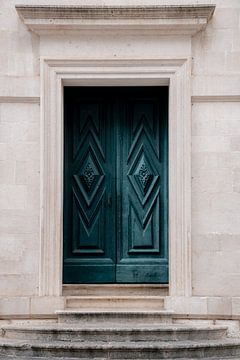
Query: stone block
{"points": [[24, 46], [19, 254], [226, 18], [187, 305], [236, 40], [225, 201], [18, 284], [3, 151], [215, 119], [220, 85], [20, 113], [201, 200], [209, 63], [234, 159], [20, 86], [197, 305], [26, 265], [23, 151], [217, 284], [219, 306], [27, 172], [229, 242], [235, 143], [7, 172], [14, 306], [46, 305], [212, 181], [13, 196], [8, 246], [203, 122], [5, 133], [236, 306], [25, 132], [210, 143], [232, 4], [228, 127], [178, 303], [208, 261], [222, 110], [33, 198], [213, 160], [24, 243], [18, 222], [205, 242], [215, 40], [233, 62], [9, 21], [222, 221], [33, 132], [216, 242], [236, 180]]}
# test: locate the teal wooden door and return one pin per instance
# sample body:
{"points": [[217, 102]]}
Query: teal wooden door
{"points": [[115, 185]]}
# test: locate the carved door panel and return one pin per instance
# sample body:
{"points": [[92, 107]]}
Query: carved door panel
{"points": [[115, 185], [89, 204], [142, 245]]}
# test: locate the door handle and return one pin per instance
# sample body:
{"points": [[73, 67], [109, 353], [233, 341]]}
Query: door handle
{"points": [[109, 200]]}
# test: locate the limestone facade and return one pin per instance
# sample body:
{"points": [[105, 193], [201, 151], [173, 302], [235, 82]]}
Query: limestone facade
{"points": [[209, 280]]}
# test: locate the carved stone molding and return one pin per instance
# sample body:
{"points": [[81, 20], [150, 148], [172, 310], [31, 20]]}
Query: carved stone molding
{"points": [[215, 98], [58, 73], [186, 19], [20, 99]]}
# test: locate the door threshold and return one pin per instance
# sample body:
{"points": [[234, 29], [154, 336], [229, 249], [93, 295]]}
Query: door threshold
{"points": [[115, 290]]}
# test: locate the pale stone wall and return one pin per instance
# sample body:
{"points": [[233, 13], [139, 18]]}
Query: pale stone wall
{"points": [[19, 159], [19, 198], [216, 156], [215, 153]]}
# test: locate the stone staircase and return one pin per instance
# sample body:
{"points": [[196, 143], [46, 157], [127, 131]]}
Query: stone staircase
{"points": [[119, 329]]}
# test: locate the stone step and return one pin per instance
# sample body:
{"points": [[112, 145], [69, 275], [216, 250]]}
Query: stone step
{"points": [[60, 358], [60, 332], [115, 290], [115, 302], [122, 350], [71, 358], [117, 317]]}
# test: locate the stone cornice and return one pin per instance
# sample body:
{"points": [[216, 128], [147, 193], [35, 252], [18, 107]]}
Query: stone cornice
{"points": [[166, 19]]}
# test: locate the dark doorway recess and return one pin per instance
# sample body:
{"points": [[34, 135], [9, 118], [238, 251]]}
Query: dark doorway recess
{"points": [[115, 185]]}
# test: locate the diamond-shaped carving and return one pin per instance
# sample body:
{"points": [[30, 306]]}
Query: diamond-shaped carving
{"points": [[89, 177], [142, 177]]}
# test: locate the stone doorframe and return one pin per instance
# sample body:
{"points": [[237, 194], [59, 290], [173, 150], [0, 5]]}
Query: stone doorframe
{"points": [[55, 74], [168, 20]]}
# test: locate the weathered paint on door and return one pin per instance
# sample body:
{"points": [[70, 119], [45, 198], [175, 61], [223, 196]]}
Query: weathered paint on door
{"points": [[115, 185]]}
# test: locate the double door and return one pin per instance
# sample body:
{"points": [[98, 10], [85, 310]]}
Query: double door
{"points": [[115, 185]]}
